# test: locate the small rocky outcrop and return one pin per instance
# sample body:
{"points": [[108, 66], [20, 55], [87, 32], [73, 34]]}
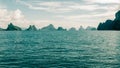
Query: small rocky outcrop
{"points": [[48, 28], [81, 28], [91, 28], [12, 27], [32, 28], [61, 29], [72, 29]]}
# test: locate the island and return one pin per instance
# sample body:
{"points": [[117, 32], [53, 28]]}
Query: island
{"points": [[50, 27], [12, 27], [111, 24], [61, 29], [31, 28]]}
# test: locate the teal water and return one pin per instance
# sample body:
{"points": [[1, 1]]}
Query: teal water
{"points": [[59, 49]]}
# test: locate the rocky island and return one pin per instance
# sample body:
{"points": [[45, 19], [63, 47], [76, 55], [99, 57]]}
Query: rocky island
{"points": [[111, 24], [11, 27], [72, 29], [61, 29], [49, 28], [31, 28]]}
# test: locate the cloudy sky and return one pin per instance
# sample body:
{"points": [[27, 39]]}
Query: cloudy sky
{"points": [[65, 13]]}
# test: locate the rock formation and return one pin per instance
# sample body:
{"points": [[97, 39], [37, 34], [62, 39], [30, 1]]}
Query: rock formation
{"points": [[32, 28], [48, 28], [11, 27], [91, 28], [61, 29], [72, 29], [111, 24], [108, 25], [81, 28]]}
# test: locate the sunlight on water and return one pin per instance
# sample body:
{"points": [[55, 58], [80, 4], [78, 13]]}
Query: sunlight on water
{"points": [[83, 49]]}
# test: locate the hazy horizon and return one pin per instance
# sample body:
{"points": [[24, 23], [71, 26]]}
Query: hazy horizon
{"points": [[59, 13]]}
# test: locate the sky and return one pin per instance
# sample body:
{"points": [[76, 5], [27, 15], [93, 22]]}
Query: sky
{"points": [[65, 13]]}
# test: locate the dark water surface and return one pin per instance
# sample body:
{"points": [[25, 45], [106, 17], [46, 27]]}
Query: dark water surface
{"points": [[83, 49]]}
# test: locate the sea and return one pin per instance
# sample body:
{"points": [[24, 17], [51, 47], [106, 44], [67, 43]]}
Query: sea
{"points": [[59, 49]]}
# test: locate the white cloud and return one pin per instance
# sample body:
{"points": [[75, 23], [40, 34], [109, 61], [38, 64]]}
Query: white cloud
{"points": [[17, 18], [50, 4], [11, 16], [86, 16], [103, 1], [17, 15]]}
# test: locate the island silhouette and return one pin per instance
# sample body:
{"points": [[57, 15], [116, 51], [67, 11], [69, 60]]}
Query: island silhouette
{"points": [[111, 24], [50, 27]]}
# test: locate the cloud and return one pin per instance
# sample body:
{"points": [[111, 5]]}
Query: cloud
{"points": [[59, 7], [103, 1], [19, 19], [47, 6], [108, 14], [11, 16], [50, 4], [17, 15]]}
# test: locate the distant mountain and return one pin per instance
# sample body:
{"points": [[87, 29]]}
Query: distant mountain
{"points": [[91, 28], [12, 27], [81, 28], [61, 29], [72, 29], [32, 28], [48, 28], [111, 24]]}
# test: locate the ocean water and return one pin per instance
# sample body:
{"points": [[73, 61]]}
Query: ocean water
{"points": [[60, 49]]}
